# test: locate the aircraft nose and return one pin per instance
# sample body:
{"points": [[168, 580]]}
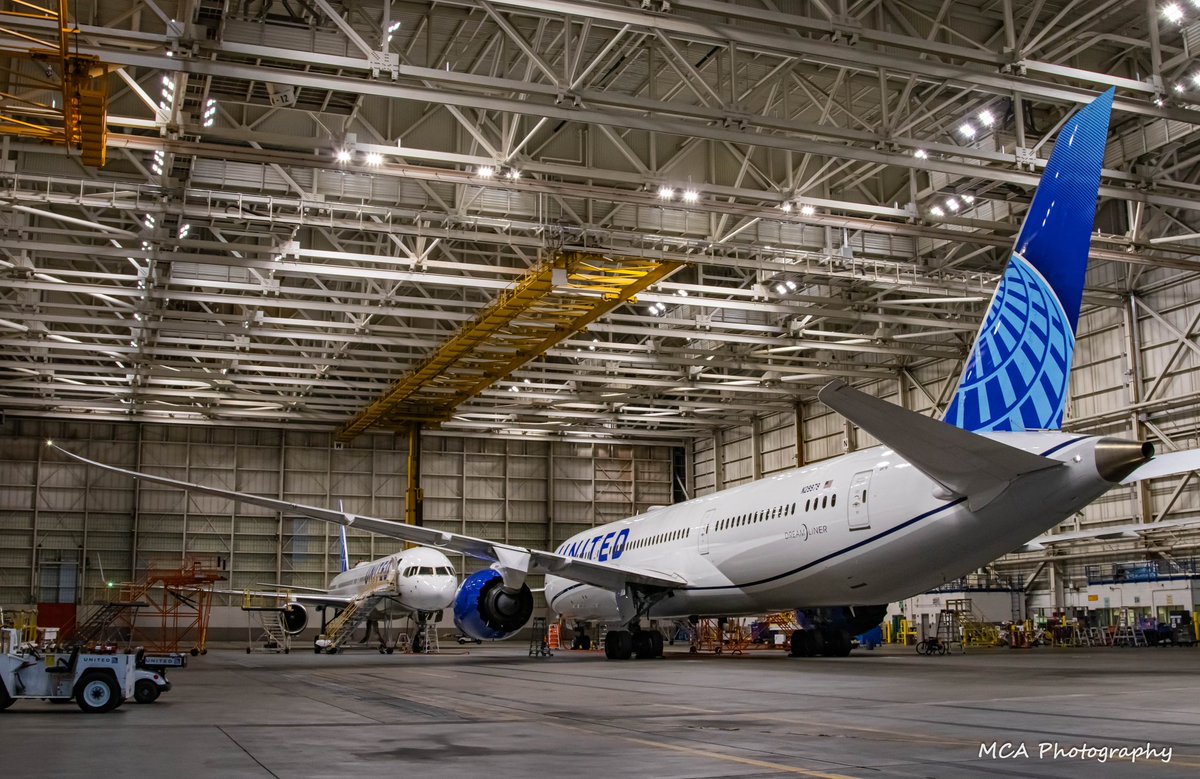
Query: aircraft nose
{"points": [[1116, 458]]}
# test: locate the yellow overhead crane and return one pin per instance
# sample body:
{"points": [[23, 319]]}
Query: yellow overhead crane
{"points": [[555, 300], [49, 91]]}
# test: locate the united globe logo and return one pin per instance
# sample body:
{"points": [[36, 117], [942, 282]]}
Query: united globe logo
{"points": [[1017, 376]]}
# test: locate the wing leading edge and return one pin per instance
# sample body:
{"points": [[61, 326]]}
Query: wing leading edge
{"points": [[531, 561]]}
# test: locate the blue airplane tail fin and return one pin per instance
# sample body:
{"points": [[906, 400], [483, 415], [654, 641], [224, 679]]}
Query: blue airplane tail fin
{"points": [[345, 551], [1016, 376]]}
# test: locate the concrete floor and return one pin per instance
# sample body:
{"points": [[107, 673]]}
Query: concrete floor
{"points": [[492, 711]]}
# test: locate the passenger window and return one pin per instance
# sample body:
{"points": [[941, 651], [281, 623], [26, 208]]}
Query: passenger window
{"points": [[824, 501], [806, 505], [833, 499]]}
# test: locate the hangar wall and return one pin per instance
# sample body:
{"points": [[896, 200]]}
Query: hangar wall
{"points": [[1136, 368], [106, 527]]}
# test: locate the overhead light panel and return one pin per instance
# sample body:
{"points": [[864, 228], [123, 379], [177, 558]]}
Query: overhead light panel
{"points": [[937, 211], [690, 196], [1172, 13], [343, 155], [967, 130], [952, 204], [985, 118], [666, 193], [921, 154], [210, 112], [485, 171], [374, 159], [808, 210]]}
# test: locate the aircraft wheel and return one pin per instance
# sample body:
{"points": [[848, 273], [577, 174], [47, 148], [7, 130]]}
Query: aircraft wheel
{"points": [[618, 645], [797, 649]]}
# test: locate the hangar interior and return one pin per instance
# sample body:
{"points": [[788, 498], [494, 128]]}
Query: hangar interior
{"points": [[303, 201]]}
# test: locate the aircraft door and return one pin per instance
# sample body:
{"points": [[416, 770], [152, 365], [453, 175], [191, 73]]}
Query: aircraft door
{"points": [[704, 528], [858, 505]]}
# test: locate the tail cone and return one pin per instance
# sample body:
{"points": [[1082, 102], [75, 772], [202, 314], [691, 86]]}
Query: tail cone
{"points": [[1116, 458]]}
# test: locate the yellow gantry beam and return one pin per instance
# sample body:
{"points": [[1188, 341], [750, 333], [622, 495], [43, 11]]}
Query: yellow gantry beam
{"points": [[79, 80], [553, 301]]}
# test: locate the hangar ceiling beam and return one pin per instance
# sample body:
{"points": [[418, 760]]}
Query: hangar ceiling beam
{"points": [[554, 300]]}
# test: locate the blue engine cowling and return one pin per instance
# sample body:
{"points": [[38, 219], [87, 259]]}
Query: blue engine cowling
{"points": [[483, 610]]}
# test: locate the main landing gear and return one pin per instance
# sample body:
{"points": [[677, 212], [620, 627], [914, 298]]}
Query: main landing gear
{"points": [[826, 641], [642, 644], [829, 629]]}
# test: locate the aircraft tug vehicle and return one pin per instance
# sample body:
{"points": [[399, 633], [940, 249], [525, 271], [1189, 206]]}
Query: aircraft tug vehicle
{"points": [[96, 682]]}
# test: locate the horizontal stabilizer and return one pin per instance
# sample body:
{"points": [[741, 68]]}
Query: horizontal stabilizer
{"points": [[966, 464], [1169, 464], [1145, 530]]}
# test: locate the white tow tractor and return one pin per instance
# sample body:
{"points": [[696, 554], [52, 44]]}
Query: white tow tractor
{"points": [[97, 682]]}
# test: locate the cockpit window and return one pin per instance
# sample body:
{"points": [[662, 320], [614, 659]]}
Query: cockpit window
{"points": [[445, 570]]}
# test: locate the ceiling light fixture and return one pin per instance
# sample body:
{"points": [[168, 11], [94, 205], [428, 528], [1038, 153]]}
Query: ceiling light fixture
{"points": [[690, 196]]}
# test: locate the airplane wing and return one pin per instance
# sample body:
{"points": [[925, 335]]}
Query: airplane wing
{"points": [[1169, 464], [319, 598], [509, 557], [965, 463]]}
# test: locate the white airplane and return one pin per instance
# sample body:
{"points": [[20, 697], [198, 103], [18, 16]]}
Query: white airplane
{"points": [[418, 582], [840, 539]]}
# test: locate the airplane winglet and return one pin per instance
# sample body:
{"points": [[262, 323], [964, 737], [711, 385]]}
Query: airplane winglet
{"points": [[965, 464]]}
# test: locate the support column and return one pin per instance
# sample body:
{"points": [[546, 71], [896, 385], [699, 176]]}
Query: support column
{"points": [[756, 448], [414, 496], [799, 434], [1134, 372], [550, 542], [718, 462]]}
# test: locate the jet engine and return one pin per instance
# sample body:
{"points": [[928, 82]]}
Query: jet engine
{"points": [[295, 618], [485, 611]]}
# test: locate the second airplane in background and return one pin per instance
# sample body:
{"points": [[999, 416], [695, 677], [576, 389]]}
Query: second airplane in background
{"points": [[414, 583]]}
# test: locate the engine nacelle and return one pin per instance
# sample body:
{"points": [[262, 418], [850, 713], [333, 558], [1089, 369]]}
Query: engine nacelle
{"points": [[483, 610], [295, 618]]}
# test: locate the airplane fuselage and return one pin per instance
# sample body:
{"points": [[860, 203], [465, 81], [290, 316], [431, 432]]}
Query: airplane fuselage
{"points": [[864, 528], [413, 580]]}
